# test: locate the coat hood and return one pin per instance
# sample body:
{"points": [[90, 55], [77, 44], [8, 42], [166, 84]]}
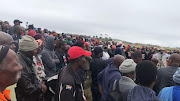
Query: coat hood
{"points": [[50, 42]]}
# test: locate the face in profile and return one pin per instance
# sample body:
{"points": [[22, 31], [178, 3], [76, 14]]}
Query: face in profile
{"points": [[11, 69], [82, 61]]}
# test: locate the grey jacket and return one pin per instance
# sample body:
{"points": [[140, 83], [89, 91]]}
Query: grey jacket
{"points": [[165, 78], [125, 84], [48, 54]]}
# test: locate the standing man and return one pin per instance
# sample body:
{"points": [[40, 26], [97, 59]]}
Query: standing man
{"points": [[96, 66], [10, 71], [107, 76], [61, 54], [49, 57], [17, 36], [70, 86], [7, 40], [146, 75], [162, 57], [127, 68], [31, 31], [165, 75], [12, 29], [28, 87]]}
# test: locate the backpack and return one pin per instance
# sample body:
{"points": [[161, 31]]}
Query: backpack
{"points": [[53, 84], [115, 95]]}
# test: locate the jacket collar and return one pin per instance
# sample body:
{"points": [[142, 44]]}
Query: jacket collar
{"points": [[75, 76], [26, 59], [125, 78]]}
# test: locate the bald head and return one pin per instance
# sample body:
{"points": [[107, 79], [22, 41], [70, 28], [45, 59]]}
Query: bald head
{"points": [[118, 59], [18, 30], [154, 60], [174, 60], [7, 40]]}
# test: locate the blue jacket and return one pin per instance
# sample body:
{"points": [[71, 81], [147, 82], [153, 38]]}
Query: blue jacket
{"points": [[107, 78], [166, 94]]}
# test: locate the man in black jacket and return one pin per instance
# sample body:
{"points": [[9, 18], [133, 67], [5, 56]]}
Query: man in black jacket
{"points": [[12, 29], [70, 87], [96, 66], [28, 87]]}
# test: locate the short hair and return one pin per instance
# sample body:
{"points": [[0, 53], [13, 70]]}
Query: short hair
{"points": [[97, 50], [146, 72], [79, 43], [136, 54]]}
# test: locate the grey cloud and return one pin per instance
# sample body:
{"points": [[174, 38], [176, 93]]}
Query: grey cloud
{"points": [[145, 21]]}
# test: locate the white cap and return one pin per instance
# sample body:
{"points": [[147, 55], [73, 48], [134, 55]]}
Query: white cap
{"points": [[127, 66]]}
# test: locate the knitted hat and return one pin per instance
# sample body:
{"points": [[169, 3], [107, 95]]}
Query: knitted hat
{"points": [[127, 66], [27, 43], [176, 76]]}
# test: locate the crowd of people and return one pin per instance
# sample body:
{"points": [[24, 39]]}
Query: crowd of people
{"points": [[42, 65]]}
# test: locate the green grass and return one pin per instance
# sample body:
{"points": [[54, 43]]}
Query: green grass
{"points": [[87, 88]]}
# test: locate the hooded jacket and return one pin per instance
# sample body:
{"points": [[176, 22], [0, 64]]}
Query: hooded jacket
{"points": [[107, 78], [48, 54]]}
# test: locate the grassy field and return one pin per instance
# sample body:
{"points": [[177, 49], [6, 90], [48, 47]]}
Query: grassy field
{"points": [[87, 88]]}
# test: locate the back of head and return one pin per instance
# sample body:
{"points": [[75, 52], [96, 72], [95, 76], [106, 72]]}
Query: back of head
{"points": [[146, 73], [154, 60], [5, 38], [136, 56], [118, 50], [97, 50], [118, 59], [174, 60], [79, 43]]}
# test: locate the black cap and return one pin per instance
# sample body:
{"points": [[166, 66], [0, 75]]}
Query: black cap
{"points": [[17, 21]]}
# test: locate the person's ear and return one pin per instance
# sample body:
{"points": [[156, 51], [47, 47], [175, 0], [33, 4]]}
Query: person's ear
{"points": [[169, 61], [79, 60]]}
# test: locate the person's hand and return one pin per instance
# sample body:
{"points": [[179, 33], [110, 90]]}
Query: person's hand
{"points": [[54, 60], [100, 88], [44, 88]]}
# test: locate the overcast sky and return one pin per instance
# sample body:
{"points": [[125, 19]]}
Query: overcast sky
{"points": [[143, 21]]}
